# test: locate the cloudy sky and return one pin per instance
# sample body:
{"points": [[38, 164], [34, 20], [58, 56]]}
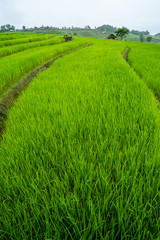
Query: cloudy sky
{"points": [[134, 14]]}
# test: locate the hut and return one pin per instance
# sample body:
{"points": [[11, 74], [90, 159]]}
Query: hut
{"points": [[67, 38], [111, 36]]}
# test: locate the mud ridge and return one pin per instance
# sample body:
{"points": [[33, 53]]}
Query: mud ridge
{"points": [[7, 101], [125, 55]]}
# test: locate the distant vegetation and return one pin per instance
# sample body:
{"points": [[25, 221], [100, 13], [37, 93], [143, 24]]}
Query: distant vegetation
{"points": [[107, 28], [7, 28], [136, 32], [157, 35], [122, 32], [86, 31]]}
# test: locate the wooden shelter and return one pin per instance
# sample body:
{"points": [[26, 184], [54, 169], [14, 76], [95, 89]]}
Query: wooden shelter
{"points": [[111, 36], [67, 38]]}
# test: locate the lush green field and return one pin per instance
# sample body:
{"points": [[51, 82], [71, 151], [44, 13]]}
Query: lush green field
{"points": [[80, 156], [21, 47], [145, 59], [15, 66], [27, 39], [11, 36]]}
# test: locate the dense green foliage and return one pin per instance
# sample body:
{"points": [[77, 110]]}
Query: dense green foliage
{"points": [[107, 28], [80, 157], [149, 39], [141, 38], [136, 32], [122, 32], [7, 27]]}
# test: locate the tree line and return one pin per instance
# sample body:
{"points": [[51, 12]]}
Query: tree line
{"points": [[7, 28], [120, 32]]}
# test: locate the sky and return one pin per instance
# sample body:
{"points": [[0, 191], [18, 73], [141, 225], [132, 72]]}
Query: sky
{"points": [[139, 15]]}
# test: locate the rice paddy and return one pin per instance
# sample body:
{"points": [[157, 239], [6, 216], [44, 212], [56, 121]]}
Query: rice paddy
{"points": [[80, 153]]}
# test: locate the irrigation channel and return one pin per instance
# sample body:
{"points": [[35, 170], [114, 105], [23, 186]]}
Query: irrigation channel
{"points": [[7, 101]]}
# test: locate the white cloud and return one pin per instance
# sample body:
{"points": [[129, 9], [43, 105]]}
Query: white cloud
{"points": [[134, 14]]}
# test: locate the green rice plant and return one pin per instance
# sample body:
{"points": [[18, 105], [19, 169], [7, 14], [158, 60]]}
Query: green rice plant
{"points": [[5, 51], [80, 158], [145, 60], [10, 36], [16, 66], [32, 38]]}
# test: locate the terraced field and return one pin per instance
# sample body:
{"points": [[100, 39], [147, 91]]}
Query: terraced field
{"points": [[15, 35], [80, 152], [145, 59]]}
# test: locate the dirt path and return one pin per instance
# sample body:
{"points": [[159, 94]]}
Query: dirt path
{"points": [[125, 55], [7, 101]]}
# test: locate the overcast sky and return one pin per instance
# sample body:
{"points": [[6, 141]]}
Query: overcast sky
{"points": [[134, 14]]}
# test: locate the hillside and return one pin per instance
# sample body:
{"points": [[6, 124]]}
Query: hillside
{"points": [[96, 33]]}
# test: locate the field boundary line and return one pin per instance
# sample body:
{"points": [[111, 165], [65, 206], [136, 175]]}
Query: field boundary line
{"points": [[8, 99], [125, 55]]}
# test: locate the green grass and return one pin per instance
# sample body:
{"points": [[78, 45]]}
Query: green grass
{"points": [[11, 36], [32, 38], [15, 66], [145, 59], [80, 157], [5, 51]]}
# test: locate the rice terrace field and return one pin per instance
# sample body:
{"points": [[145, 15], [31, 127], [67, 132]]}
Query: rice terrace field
{"points": [[80, 144]]}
